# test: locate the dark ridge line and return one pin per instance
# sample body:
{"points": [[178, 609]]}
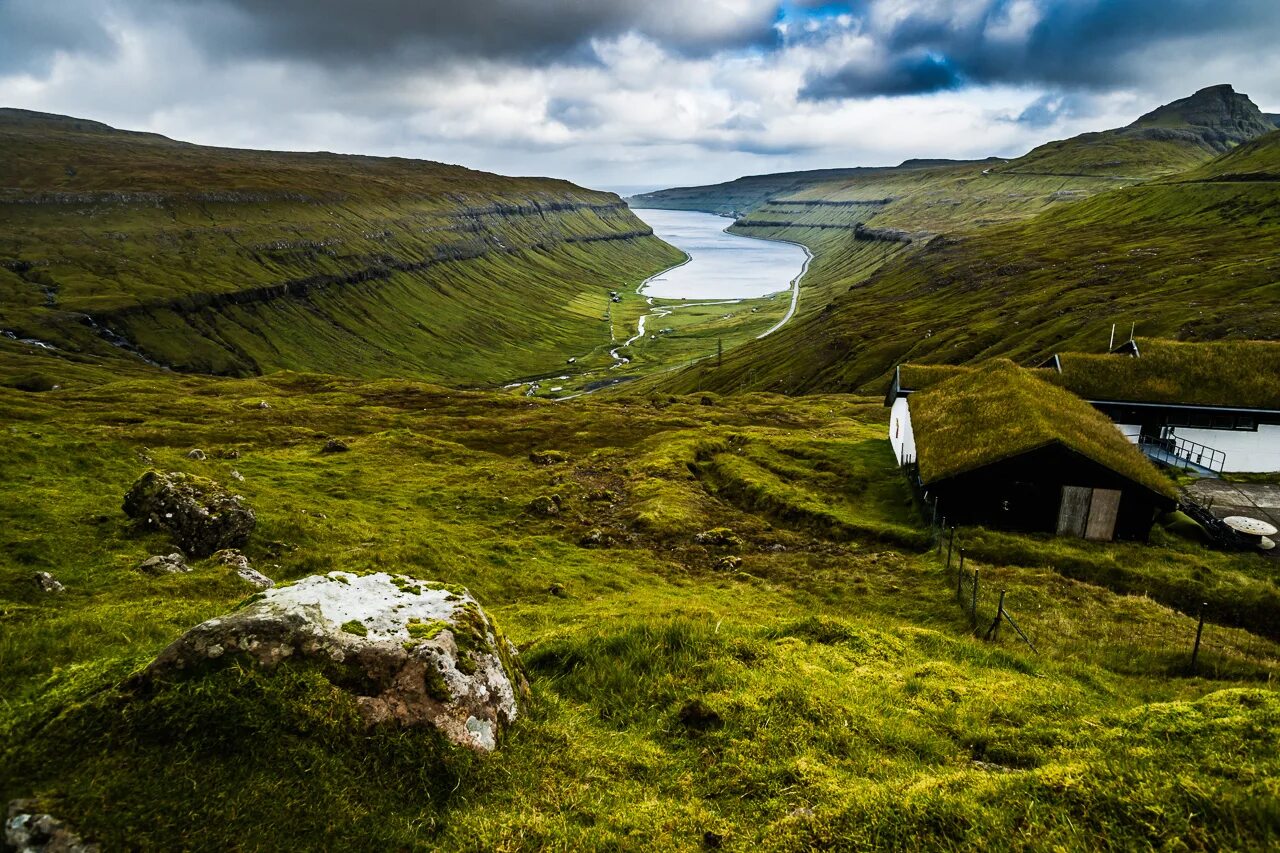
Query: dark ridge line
{"points": [[385, 268], [860, 231], [823, 203]]}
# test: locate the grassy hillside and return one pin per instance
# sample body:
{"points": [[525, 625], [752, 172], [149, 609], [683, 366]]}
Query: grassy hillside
{"points": [[810, 682], [1188, 256], [121, 244]]}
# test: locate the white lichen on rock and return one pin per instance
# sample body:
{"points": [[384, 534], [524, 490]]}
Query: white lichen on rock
{"points": [[426, 653]]}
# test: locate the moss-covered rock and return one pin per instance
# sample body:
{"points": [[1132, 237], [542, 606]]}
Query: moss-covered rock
{"points": [[202, 516], [412, 654]]}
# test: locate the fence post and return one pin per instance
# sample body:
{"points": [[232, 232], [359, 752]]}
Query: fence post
{"points": [[1195, 650], [960, 574], [994, 631], [974, 608], [951, 541]]}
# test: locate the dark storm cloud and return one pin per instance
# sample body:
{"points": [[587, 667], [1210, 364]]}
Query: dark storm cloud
{"points": [[903, 76], [33, 32], [379, 31], [1094, 44]]}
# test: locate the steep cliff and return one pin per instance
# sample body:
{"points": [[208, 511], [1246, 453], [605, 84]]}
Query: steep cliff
{"points": [[241, 262]]}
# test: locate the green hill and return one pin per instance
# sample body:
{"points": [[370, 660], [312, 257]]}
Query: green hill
{"points": [[1024, 272], [129, 245]]}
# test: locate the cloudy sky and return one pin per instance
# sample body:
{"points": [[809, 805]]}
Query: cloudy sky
{"points": [[631, 92]]}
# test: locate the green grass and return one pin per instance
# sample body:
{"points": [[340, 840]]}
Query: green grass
{"points": [[999, 411], [1225, 373], [825, 690]]}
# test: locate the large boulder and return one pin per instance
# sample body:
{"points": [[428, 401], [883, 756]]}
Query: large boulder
{"points": [[202, 516], [28, 830], [421, 653]]}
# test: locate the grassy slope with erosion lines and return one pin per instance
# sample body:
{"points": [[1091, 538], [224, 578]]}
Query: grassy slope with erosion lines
{"points": [[239, 262]]}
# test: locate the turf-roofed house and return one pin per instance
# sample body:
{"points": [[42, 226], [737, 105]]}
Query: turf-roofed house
{"points": [[1202, 407], [997, 445]]}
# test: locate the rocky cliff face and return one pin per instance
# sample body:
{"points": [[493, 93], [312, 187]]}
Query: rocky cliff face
{"points": [[1217, 116]]}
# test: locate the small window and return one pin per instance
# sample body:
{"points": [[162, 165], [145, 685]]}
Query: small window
{"points": [[1244, 422]]}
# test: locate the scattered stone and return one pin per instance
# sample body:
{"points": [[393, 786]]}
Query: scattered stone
{"points": [[237, 476], [596, 539], [603, 496], [202, 516], [548, 457], [48, 583], [239, 563], [263, 404], [720, 537], [558, 590], [545, 505], [27, 830], [196, 454], [229, 453], [728, 563], [165, 564], [776, 548], [429, 655], [335, 445]]}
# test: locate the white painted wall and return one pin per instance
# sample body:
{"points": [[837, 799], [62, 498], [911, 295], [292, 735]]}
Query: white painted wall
{"points": [[1246, 451], [1131, 431], [900, 434]]}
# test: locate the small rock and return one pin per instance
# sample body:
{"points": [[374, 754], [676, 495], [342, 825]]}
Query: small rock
{"points": [[721, 537], [237, 476], [196, 454], [239, 563], [229, 453], [335, 445], [48, 583], [545, 505], [596, 539], [603, 496], [27, 830], [423, 654], [263, 404], [165, 564], [202, 516], [548, 457], [558, 590], [728, 563]]}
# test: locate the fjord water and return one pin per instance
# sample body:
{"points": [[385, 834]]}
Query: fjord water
{"points": [[721, 265]]}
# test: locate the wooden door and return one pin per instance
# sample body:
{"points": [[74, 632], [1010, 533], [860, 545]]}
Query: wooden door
{"points": [[1103, 510], [1073, 512]]}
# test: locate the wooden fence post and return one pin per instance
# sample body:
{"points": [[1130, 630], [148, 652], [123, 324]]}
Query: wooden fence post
{"points": [[974, 608], [951, 541], [1195, 650], [994, 631], [960, 575]]}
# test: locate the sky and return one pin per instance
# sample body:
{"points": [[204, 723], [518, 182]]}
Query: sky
{"points": [[635, 94]]}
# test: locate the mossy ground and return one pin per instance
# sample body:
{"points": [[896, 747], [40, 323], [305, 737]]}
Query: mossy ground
{"points": [[838, 694]]}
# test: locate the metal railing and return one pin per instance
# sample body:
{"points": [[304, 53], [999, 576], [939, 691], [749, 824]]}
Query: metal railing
{"points": [[1182, 453]]}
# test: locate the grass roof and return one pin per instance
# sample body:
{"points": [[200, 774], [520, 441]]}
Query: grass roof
{"points": [[917, 377], [1221, 373], [998, 410]]}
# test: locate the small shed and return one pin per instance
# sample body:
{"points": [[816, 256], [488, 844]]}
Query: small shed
{"points": [[997, 445]]}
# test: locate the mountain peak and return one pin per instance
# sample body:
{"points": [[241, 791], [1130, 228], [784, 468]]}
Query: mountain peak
{"points": [[1219, 115]]}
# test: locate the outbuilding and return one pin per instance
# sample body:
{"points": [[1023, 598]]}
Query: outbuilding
{"points": [[999, 446]]}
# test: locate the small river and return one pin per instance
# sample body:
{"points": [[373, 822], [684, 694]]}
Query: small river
{"points": [[721, 265]]}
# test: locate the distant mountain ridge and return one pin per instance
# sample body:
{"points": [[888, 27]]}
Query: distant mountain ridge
{"points": [[1216, 116]]}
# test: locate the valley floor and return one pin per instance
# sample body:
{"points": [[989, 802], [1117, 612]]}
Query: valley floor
{"points": [[801, 677]]}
